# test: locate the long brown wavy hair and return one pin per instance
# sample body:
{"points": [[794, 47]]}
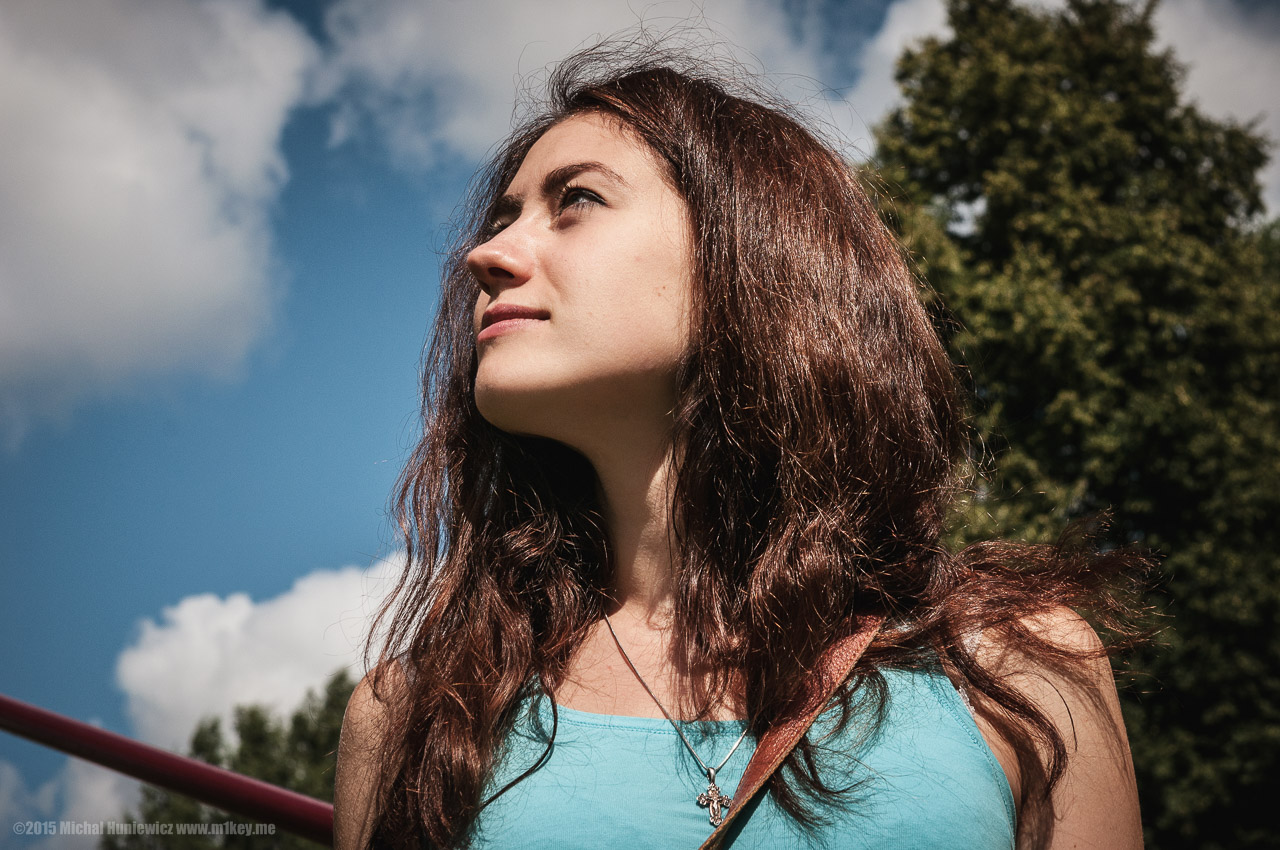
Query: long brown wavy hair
{"points": [[821, 434]]}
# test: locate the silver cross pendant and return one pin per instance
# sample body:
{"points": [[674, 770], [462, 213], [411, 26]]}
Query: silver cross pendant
{"points": [[715, 802]]}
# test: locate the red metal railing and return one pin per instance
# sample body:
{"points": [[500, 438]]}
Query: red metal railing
{"points": [[223, 789]]}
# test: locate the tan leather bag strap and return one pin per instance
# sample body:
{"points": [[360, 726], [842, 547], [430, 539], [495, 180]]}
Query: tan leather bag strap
{"points": [[779, 741]]}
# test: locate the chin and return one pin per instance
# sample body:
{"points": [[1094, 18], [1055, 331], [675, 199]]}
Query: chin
{"points": [[523, 413]]}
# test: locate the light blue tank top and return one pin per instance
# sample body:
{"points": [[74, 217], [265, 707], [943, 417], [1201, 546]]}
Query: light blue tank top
{"points": [[930, 781]]}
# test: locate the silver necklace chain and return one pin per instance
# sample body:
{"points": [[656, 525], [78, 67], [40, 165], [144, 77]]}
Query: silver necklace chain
{"points": [[715, 802]]}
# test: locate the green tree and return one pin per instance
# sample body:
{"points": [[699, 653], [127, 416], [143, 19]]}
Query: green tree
{"points": [[1098, 240], [298, 754]]}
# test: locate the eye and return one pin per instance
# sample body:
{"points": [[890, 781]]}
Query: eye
{"points": [[578, 196], [491, 228]]}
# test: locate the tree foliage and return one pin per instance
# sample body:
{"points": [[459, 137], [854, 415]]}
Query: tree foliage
{"points": [[299, 754], [1097, 240]]}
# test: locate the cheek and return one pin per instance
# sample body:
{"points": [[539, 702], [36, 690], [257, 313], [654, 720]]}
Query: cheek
{"points": [[658, 336], [676, 303]]}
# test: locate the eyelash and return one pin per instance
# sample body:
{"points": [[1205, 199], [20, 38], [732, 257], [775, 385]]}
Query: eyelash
{"points": [[563, 203], [570, 191]]}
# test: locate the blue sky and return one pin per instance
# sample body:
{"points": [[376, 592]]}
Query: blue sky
{"points": [[219, 235]]}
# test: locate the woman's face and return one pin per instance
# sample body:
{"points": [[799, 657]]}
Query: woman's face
{"points": [[582, 317]]}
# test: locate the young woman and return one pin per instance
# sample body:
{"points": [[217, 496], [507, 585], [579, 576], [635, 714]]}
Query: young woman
{"points": [[688, 428]]}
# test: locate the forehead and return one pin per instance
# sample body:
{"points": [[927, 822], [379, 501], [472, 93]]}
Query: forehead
{"points": [[589, 137]]}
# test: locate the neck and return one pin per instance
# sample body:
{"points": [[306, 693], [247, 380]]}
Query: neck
{"points": [[635, 485]]}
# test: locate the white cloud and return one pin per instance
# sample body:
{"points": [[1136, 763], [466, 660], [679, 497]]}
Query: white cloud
{"points": [[80, 792], [94, 794], [205, 656], [438, 78], [209, 653], [1234, 66], [141, 154], [875, 93], [18, 802]]}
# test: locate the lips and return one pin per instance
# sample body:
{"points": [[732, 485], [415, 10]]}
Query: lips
{"points": [[500, 318]]}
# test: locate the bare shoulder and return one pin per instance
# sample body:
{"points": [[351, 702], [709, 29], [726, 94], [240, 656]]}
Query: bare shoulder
{"points": [[364, 730], [367, 709], [1095, 804], [1065, 628]]}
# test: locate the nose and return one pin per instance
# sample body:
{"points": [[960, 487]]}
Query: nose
{"points": [[501, 263]]}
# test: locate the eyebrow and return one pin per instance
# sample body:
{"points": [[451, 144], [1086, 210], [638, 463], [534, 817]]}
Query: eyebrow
{"points": [[555, 180]]}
